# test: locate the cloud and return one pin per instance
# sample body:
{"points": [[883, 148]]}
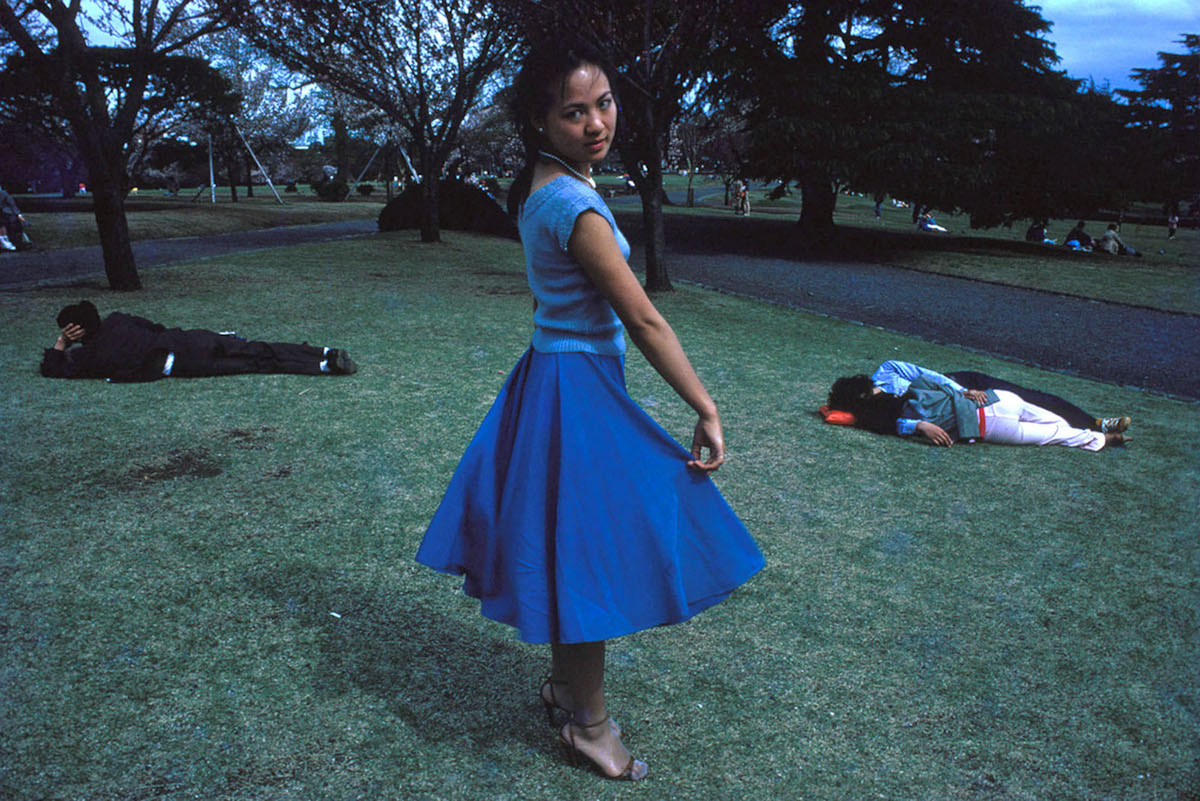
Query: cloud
{"points": [[1105, 40]]}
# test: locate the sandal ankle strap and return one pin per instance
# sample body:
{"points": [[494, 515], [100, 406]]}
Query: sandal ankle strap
{"points": [[575, 722]]}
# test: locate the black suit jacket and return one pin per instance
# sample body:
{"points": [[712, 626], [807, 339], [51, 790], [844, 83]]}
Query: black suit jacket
{"points": [[125, 348]]}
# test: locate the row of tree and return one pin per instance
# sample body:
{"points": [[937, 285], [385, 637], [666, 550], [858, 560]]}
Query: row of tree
{"points": [[956, 106]]}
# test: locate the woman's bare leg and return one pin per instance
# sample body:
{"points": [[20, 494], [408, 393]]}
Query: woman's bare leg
{"points": [[581, 665]]}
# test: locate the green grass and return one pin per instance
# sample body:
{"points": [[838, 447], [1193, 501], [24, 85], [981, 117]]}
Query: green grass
{"points": [[979, 622], [57, 223]]}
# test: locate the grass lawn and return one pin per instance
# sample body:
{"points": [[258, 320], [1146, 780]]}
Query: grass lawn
{"points": [[209, 586], [57, 223]]}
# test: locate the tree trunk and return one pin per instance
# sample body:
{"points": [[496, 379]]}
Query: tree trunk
{"points": [[657, 277], [341, 146], [818, 201], [389, 168], [430, 231], [108, 204], [249, 168], [231, 171]]}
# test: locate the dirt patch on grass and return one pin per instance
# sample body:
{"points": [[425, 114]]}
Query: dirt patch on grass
{"points": [[502, 290], [178, 463], [248, 439]]}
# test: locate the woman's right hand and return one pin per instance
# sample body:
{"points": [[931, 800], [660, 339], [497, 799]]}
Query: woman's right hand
{"points": [[708, 434], [935, 434]]}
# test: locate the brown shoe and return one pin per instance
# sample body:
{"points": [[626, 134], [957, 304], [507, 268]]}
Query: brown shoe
{"points": [[1117, 424]]}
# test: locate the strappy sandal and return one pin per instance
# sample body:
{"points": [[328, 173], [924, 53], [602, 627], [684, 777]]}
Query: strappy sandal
{"points": [[550, 702], [573, 752]]}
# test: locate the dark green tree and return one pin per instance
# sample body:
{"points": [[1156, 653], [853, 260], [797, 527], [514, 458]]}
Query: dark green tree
{"points": [[914, 98], [1167, 111]]}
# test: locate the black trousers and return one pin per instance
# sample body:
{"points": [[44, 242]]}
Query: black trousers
{"points": [[204, 353], [1077, 417]]}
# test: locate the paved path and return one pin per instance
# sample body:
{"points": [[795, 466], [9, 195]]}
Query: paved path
{"points": [[1114, 342], [1129, 345]]}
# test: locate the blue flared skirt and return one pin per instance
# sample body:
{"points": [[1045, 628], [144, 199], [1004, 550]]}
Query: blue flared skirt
{"points": [[573, 515]]}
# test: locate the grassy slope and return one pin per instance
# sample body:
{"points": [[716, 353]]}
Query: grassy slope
{"points": [[55, 224], [963, 623]]}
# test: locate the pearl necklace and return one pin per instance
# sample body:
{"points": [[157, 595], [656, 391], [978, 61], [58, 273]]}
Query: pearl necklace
{"points": [[587, 179]]}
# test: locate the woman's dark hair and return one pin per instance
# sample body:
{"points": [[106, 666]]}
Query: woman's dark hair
{"points": [[548, 61], [877, 411]]}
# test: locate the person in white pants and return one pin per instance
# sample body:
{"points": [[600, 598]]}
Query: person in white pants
{"points": [[930, 405], [1013, 421]]}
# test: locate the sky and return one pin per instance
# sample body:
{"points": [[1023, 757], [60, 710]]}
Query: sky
{"points": [[1105, 39]]}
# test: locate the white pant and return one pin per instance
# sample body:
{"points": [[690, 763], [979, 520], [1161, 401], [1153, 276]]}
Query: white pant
{"points": [[1012, 421]]}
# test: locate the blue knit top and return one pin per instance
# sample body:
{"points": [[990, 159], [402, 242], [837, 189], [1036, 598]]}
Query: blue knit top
{"points": [[571, 313]]}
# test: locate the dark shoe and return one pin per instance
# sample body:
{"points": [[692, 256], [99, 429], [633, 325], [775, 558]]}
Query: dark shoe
{"points": [[1115, 438], [340, 362], [635, 769]]}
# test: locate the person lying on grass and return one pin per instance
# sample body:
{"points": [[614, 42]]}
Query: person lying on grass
{"points": [[905, 399], [124, 347], [894, 376]]}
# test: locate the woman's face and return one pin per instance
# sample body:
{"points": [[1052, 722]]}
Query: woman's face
{"points": [[581, 122]]}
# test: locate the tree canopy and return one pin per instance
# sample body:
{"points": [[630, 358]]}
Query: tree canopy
{"points": [[113, 99], [424, 63], [956, 106], [1167, 107]]}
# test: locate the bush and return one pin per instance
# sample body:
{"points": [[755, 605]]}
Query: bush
{"points": [[461, 207], [332, 190], [366, 189], [291, 187]]}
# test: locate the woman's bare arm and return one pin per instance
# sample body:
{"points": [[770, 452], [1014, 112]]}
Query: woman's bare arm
{"points": [[593, 245]]}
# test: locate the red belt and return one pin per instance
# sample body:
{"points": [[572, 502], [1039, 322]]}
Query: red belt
{"points": [[982, 422]]}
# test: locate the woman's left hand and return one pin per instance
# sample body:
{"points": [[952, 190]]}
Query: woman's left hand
{"points": [[977, 395], [708, 434]]}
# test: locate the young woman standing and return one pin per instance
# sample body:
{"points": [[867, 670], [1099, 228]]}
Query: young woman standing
{"points": [[573, 515]]}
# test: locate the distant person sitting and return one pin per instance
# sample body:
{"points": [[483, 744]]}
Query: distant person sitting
{"points": [[1078, 238], [1037, 233], [927, 223], [12, 222], [124, 347], [1111, 243]]}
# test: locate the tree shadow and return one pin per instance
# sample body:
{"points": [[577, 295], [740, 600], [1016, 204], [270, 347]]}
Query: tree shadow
{"points": [[780, 238], [430, 670]]}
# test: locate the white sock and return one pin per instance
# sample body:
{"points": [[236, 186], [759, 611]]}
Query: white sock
{"points": [[325, 352], [324, 366]]}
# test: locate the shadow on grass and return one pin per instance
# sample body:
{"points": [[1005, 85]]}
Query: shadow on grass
{"points": [[780, 238], [428, 669]]}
